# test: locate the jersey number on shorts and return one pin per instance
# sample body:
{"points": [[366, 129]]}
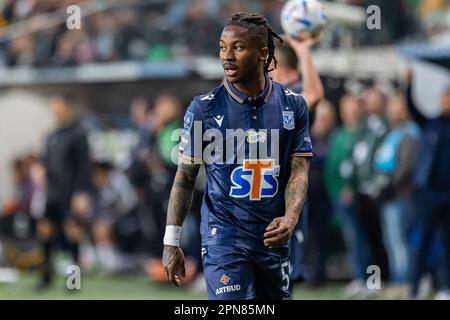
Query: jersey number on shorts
{"points": [[256, 179]]}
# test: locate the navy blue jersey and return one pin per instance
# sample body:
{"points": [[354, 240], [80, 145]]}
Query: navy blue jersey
{"points": [[247, 174]]}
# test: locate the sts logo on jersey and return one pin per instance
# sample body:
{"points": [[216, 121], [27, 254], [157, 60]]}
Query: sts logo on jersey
{"points": [[256, 179]]}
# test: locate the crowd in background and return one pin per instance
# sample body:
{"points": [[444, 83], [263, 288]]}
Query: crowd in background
{"points": [[161, 30], [372, 181], [385, 184]]}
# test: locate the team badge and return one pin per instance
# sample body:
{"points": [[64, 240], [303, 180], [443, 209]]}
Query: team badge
{"points": [[288, 120]]}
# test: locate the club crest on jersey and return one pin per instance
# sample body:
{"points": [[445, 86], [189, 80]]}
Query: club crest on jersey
{"points": [[255, 137], [288, 120], [255, 179]]}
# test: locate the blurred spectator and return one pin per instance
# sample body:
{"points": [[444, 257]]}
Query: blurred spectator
{"points": [[394, 166], [65, 50], [144, 31], [432, 180], [199, 32], [319, 206], [139, 114], [21, 52], [66, 160], [338, 172], [113, 202], [371, 134], [104, 37], [166, 118], [39, 182]]}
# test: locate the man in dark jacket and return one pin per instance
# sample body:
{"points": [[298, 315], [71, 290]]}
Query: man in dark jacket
{"points": [[432, 180], [67, 164]]}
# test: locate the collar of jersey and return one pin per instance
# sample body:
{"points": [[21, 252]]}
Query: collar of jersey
{"points": [[242, 98]]}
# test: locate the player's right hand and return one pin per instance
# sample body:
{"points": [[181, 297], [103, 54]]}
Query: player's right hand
{"points": [[279, 231], [173, 261], [300, 45]]}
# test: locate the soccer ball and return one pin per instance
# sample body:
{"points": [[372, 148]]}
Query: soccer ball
{"points": [[303, 19]]}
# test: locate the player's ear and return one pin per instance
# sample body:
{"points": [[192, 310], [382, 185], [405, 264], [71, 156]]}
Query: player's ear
{"points": [[263, 54]]}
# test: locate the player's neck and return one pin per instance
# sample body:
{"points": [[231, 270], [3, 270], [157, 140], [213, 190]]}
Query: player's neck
{"points": [[253, 87]]}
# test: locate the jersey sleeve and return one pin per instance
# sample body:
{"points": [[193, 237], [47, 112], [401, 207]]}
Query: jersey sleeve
{"points": [[301, 144], [191, 145]]}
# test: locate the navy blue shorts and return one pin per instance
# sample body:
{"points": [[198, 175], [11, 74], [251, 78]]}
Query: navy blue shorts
{"points": [[237, 273]]}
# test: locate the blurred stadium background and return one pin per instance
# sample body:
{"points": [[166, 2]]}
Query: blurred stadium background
{"points": [[131, 71]]}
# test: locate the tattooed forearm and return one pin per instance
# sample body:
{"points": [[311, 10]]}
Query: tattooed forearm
{"points": [[182, 192], [297, 186]]}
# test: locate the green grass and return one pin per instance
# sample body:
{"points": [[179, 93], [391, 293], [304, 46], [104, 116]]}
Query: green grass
{"points": [[130, 288]]}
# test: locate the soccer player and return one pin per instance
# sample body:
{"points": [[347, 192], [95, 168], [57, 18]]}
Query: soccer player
{"points": [[251, 205], [296, 71]]}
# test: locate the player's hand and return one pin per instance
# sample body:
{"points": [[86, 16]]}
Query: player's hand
{"points": [[279, 231], [301, 45], [173, 261]]}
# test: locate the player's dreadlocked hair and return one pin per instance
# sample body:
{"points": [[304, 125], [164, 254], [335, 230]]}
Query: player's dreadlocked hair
{"points": [[258, 26]]}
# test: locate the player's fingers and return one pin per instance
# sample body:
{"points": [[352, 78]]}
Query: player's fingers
{"points": [[176, 280], [176, 277], [169, 273], [273, 233], [277, 241], [182, 270], [178, 273], [273, 224], [279, 230], [272, 242]]}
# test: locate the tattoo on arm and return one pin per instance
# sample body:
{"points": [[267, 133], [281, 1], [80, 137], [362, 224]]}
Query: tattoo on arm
{"points": [[297, 186], [182, 193]]}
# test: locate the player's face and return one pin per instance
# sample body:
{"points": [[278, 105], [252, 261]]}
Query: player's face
{"points": [[241, 55], [374, 102], [61, 111], [397, 110], [350, 110]]}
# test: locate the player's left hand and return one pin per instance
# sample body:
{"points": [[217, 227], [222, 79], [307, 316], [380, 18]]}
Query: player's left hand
{"points": [[279, 231]]}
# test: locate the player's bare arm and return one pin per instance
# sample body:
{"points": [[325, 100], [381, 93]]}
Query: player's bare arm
{"points": [[313, 90], [180, 202], [280, 229]]}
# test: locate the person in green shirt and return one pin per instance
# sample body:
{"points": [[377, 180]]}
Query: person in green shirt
{"points": [[338, 173]]}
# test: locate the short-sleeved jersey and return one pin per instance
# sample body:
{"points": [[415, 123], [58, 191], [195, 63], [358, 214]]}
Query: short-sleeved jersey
{"points": [[246, 145]]}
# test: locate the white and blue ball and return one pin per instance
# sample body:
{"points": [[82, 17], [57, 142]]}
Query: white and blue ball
{"points": [[303, 19]]}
